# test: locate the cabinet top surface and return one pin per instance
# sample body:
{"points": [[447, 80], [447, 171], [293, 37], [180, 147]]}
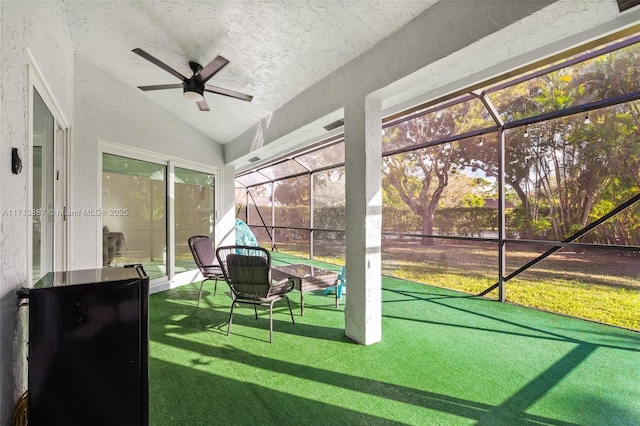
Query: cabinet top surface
{"points": [[86, 276]]}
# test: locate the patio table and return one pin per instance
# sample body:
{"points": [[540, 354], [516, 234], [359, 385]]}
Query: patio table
{"points": [[306, 278]]}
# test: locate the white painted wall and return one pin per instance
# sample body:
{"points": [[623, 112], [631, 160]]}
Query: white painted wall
{"points": [[107, 109], [42, 28]]}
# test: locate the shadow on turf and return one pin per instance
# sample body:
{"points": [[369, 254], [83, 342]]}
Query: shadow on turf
{"points": [[613, 333], [215, 317], [513, 410], [205, 398], [308, 411], [483, 413]]}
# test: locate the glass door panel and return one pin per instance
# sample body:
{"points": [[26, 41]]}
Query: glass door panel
{"points": [[134, 220], [43, 188], [194, 212]]}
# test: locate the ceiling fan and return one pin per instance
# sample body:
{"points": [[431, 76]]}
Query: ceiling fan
{"points": [[193, 88]]}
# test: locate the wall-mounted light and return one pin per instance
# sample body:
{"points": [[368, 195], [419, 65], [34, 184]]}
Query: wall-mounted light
{"points": [[16, 161]]}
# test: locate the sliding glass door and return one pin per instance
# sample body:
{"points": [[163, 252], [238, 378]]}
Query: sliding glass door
{"points": [[134, 214], [194, 193], [150, 208]]}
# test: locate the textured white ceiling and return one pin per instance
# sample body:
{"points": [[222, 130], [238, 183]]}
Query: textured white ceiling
{"points": [[276, 48]]}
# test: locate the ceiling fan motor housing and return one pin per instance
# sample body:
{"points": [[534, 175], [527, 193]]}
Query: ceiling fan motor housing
{"points": [[193, 85]]}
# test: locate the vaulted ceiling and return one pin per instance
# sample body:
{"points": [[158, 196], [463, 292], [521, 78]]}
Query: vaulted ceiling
{"points": [[276, 49]]}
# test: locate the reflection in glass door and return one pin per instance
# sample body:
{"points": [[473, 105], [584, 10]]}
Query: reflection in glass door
{"points": [[42, 212], [134, 220], [194, 194]]}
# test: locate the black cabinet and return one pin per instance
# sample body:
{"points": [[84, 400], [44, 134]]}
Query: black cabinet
{"points": [[88, 348]]}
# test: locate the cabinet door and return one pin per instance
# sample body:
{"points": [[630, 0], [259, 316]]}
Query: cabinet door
{"points": [[85, 361]]}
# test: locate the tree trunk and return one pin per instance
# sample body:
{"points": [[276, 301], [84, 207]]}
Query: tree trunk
{"points": [[427, 228]]}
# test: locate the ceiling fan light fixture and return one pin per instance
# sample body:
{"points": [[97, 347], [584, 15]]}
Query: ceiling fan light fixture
{"points": [[192, 95]]}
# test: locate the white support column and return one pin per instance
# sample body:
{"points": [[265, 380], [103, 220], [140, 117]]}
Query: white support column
{"points": [[363, 182]]}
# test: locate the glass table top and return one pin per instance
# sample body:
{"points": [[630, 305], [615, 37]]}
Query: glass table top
{"points": [[302, 271]]}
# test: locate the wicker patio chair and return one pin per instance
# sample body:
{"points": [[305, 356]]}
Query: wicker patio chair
{"points": [[247, 271], [205, 258]]}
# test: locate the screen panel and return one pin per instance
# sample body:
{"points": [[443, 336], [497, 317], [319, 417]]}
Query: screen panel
{"points": [[291, 198]]}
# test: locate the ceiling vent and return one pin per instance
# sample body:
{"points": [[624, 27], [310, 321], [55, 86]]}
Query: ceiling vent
{"points": [[338, 123]]}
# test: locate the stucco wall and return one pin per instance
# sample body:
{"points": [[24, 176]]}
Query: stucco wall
{"points": [[108, 110], [42, 28]]}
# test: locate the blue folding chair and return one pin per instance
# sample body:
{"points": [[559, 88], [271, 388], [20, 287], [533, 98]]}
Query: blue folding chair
{"points": [[341, 284], [244, 235]]}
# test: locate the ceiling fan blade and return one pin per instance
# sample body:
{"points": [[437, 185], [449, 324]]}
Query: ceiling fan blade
{"points": [[212, 68], [227, 92], [155, 61], [160, 87], [203, 105]]}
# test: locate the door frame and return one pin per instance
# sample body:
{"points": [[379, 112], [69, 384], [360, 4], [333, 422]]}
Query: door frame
{"points": [[37, 82]]}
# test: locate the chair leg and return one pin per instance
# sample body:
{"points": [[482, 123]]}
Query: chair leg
{"points": [[200, 294], [230, 317], [215, 288], [290, 311], [255, 310], [270, 321]]}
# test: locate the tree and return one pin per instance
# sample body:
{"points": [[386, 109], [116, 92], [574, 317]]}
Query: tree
{"points": [[419, 177], [328, 188], [466, 191], [560, 169]]}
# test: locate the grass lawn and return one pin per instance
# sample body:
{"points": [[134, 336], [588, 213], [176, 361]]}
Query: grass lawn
{"points": [[599, 285]]}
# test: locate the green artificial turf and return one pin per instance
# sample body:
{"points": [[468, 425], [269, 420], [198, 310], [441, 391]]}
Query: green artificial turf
{"points": [[444, 359]]}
